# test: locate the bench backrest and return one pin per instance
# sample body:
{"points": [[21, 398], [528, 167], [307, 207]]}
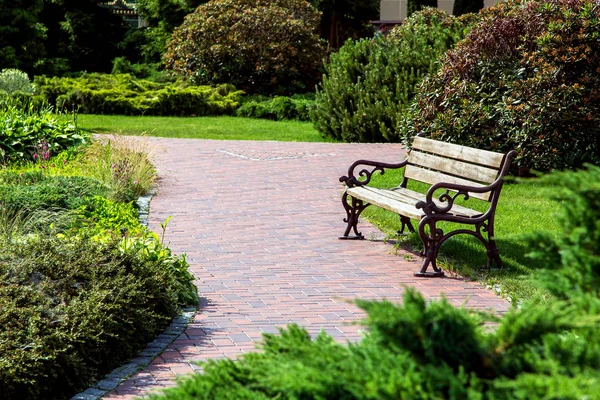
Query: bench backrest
{"points": [[431, 161]]}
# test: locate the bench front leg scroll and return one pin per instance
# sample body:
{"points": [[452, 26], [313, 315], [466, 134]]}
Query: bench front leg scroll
{"points": [[353, 208]]}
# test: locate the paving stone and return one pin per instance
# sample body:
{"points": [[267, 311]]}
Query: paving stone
{"points": [[263, 258]]}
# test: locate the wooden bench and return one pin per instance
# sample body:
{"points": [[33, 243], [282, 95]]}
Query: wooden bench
{"points": [[452, 171]]}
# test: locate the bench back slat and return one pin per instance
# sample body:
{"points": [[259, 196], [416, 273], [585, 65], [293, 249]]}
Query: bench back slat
{"points": [[473, 172], [460, 153], [433, 177], [431, 162]]}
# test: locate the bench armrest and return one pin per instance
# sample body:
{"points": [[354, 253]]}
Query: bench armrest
{"points": [[365, 174]]}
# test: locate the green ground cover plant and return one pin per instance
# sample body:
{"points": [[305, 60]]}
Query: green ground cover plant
{"points": [[525, 78], [124, 94], [434, 350], [222, 128]]}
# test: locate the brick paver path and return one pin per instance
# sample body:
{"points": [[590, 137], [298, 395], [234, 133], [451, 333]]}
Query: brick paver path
{"points": [[260, 222]]}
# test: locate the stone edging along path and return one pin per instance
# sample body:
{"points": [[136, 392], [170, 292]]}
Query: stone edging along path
{"points": [[259, 223]]}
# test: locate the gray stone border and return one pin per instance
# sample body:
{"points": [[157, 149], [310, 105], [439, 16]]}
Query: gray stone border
{"points": [[153, 349]]}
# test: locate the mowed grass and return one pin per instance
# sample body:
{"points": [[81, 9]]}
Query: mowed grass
{"points": [[222, 127], [524, 207]]}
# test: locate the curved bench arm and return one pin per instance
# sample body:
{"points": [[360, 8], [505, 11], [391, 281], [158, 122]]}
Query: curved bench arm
{"points": [[364, 175], [429, 207]]}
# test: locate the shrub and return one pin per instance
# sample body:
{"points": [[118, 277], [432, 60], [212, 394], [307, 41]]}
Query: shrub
{"points": [[28, 192], [13, 80], [263, 46], [71, 310], [369, 82], [125, 95], [525, 78], [278, 108]]}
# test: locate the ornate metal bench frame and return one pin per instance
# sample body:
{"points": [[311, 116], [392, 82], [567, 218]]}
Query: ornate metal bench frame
{"points": [[432, 212]]}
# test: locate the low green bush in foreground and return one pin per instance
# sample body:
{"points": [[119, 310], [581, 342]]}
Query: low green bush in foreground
{"points": [[437, 351]]}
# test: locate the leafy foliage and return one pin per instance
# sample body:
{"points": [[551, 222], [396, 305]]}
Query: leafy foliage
{"points": [[264, 46], [413, 6], [278, 108], [369, 82], [24, 131], [525, 78], [574, 257], [125, 95]]}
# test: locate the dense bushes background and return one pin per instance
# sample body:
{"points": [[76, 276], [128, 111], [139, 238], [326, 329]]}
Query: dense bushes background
{"points": [[525, 78], [369, 83], [126, 95], [264, 46]]}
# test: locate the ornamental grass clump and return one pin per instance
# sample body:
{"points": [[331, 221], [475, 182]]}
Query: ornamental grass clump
{"points": [[526, 78], [123, 164]]}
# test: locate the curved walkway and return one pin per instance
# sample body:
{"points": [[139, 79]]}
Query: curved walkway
{"points": [[259, 223]]}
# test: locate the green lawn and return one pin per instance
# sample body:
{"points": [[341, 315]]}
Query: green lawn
{"points": [[524, 208], [226, 128]]}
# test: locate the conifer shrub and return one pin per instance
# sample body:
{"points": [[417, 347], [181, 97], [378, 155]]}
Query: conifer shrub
{"points": [[368, 83], [73, 309], [123, 94], [259, 46], [525, 78]]}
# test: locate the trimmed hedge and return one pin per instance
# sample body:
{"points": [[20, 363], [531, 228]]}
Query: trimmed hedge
{"points": [[125, 95]]}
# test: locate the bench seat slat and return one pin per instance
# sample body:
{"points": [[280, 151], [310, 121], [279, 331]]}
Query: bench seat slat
{"points": [[462, 153], [433, 177], [469, 171], [402, 201]]}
